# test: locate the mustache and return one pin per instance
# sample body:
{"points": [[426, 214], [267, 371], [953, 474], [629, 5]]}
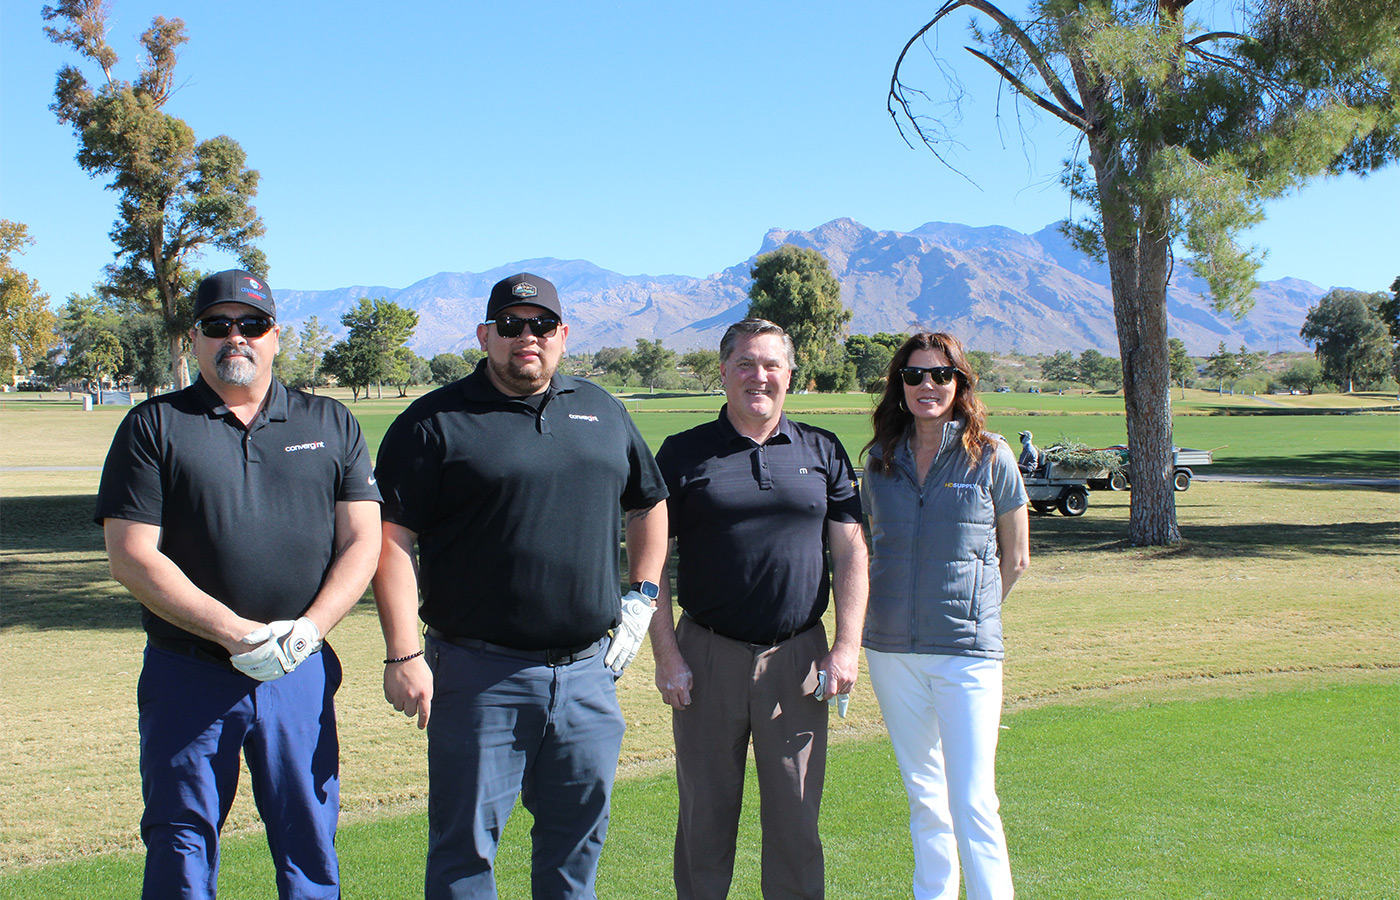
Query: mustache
{"points": [[229, 352]]}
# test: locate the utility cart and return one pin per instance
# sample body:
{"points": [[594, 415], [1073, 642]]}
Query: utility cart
{"points": [[1052, 484], [1184, 462], [1052, 487]]}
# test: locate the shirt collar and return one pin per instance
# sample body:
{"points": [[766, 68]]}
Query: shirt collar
{"points": [[274, 407], [784, 434], [952, 437]]}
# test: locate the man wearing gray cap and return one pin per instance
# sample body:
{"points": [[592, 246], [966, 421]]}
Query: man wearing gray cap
{"points": [[245, 519], [511, 486]]}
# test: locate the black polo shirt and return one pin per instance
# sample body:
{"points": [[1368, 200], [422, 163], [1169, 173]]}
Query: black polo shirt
{"points": [[248, 514], [750, 524], [517, 504]]}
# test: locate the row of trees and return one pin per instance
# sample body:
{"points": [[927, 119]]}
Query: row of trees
{"points": [[101, 339]]}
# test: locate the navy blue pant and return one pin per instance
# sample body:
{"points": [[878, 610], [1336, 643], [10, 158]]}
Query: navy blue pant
{"points": [[503, 727], [196, 718]]}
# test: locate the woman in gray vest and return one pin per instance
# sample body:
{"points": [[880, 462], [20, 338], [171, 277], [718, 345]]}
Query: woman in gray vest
{"points": [[949, 536]]}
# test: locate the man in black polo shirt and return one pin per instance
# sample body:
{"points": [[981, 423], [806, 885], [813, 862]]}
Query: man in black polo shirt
{"points": [[245, 519], [756, 501], [512, 482]]}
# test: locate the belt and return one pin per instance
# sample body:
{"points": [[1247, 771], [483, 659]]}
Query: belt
{"points": [[552, 658], [781, 638], [195, 649], [192, 648]]}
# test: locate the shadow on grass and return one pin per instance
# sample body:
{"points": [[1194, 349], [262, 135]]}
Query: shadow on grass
{"points": [[54, 567], [1336, 463], [661, 395]]}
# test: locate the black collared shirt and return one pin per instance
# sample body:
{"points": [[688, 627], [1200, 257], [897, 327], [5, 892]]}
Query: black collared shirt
{"points": [[750, 524], [248, 514], [518, 507]]}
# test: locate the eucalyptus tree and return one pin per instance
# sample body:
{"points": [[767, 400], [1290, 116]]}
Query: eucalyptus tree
{"points": [[793, 287], [177, 196], [1181, 131], [651, 361], [28, 328], [446, 368], [1349, 337], [704, 367], [378, 329], [1180, 363]]}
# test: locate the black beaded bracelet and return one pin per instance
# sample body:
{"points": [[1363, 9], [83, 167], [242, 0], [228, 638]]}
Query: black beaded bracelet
{"points": [[390, 662]]}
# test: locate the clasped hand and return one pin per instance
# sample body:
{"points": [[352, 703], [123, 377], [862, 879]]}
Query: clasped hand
{"points": [[278, 648]]}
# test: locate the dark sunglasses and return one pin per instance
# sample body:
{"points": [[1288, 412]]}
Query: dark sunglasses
{"points": [[914, 375], [513, 326], [248, 326]]}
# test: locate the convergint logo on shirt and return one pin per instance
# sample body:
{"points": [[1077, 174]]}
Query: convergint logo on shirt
{"points": [[583, 417], [310, 445]]}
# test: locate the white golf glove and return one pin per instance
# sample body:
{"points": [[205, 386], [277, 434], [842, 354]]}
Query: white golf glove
{"points": [[628, 635], [281, 647]]}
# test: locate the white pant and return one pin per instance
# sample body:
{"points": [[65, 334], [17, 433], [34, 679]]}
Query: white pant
{"points": [[943, 714]]}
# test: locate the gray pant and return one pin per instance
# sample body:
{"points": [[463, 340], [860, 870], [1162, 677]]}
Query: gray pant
{"points": [[503, 728], [744, 690]]}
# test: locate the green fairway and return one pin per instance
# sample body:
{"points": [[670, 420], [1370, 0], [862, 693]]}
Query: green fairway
{"points": [[1288, 793]]}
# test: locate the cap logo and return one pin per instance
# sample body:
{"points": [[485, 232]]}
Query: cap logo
{"points": [[254, 283], [524, 289]]}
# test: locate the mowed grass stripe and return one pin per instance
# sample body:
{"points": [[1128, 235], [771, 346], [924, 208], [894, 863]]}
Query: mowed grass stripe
{"points": [[1284, 793]]}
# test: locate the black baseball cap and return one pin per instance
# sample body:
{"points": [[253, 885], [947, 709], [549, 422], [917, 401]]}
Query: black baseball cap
{"points": [[522, 289], [234, 286]]}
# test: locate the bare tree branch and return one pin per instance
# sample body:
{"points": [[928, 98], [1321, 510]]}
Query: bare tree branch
{"points": [[1025, 91]]}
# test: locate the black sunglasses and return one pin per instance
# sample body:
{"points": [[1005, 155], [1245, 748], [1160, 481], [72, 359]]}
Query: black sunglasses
{"points": [[248, 326], [914, 375], [508, 326]]}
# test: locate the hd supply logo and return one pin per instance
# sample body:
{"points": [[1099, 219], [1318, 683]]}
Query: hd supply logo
{"points": [[583, 418], [312, 445], [959, 484]]}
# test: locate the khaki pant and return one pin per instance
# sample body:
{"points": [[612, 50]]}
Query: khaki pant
{"points": [[765, 692]]}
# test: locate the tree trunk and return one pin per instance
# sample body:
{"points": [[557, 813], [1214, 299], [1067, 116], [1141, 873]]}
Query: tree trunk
{"points": [[181, 372], [1137, 265]]}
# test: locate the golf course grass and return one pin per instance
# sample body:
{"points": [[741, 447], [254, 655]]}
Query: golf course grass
{"points": [[1215, 719]]}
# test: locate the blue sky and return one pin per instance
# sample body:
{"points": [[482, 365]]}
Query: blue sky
{"points": [[399, 141]]}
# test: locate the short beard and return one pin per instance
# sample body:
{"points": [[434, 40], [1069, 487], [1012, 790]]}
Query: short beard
{"points": [[235, 368], [522, 384]]}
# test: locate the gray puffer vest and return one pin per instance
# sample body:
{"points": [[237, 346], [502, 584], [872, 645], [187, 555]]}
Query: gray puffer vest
{"points": [[935, 577]]}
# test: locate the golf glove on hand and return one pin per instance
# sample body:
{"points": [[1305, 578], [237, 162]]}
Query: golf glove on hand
{"points": [[628, 635], [281, 647]]}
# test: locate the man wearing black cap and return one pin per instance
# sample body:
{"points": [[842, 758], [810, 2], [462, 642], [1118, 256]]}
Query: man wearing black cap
{"points": [[511, 483], [245, 519]]}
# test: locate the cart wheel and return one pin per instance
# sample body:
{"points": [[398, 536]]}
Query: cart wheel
{"points": [[1075, 502], [1118, 481], [1042, 506], [1181, 480]]}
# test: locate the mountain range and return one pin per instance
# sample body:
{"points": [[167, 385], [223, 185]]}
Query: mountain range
{"points": [[995, 288]]}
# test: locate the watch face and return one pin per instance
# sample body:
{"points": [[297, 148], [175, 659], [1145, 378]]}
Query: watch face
{"points": [[647, 589]]}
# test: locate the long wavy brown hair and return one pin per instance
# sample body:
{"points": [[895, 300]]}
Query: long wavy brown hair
{"points": [[892, 419]]}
